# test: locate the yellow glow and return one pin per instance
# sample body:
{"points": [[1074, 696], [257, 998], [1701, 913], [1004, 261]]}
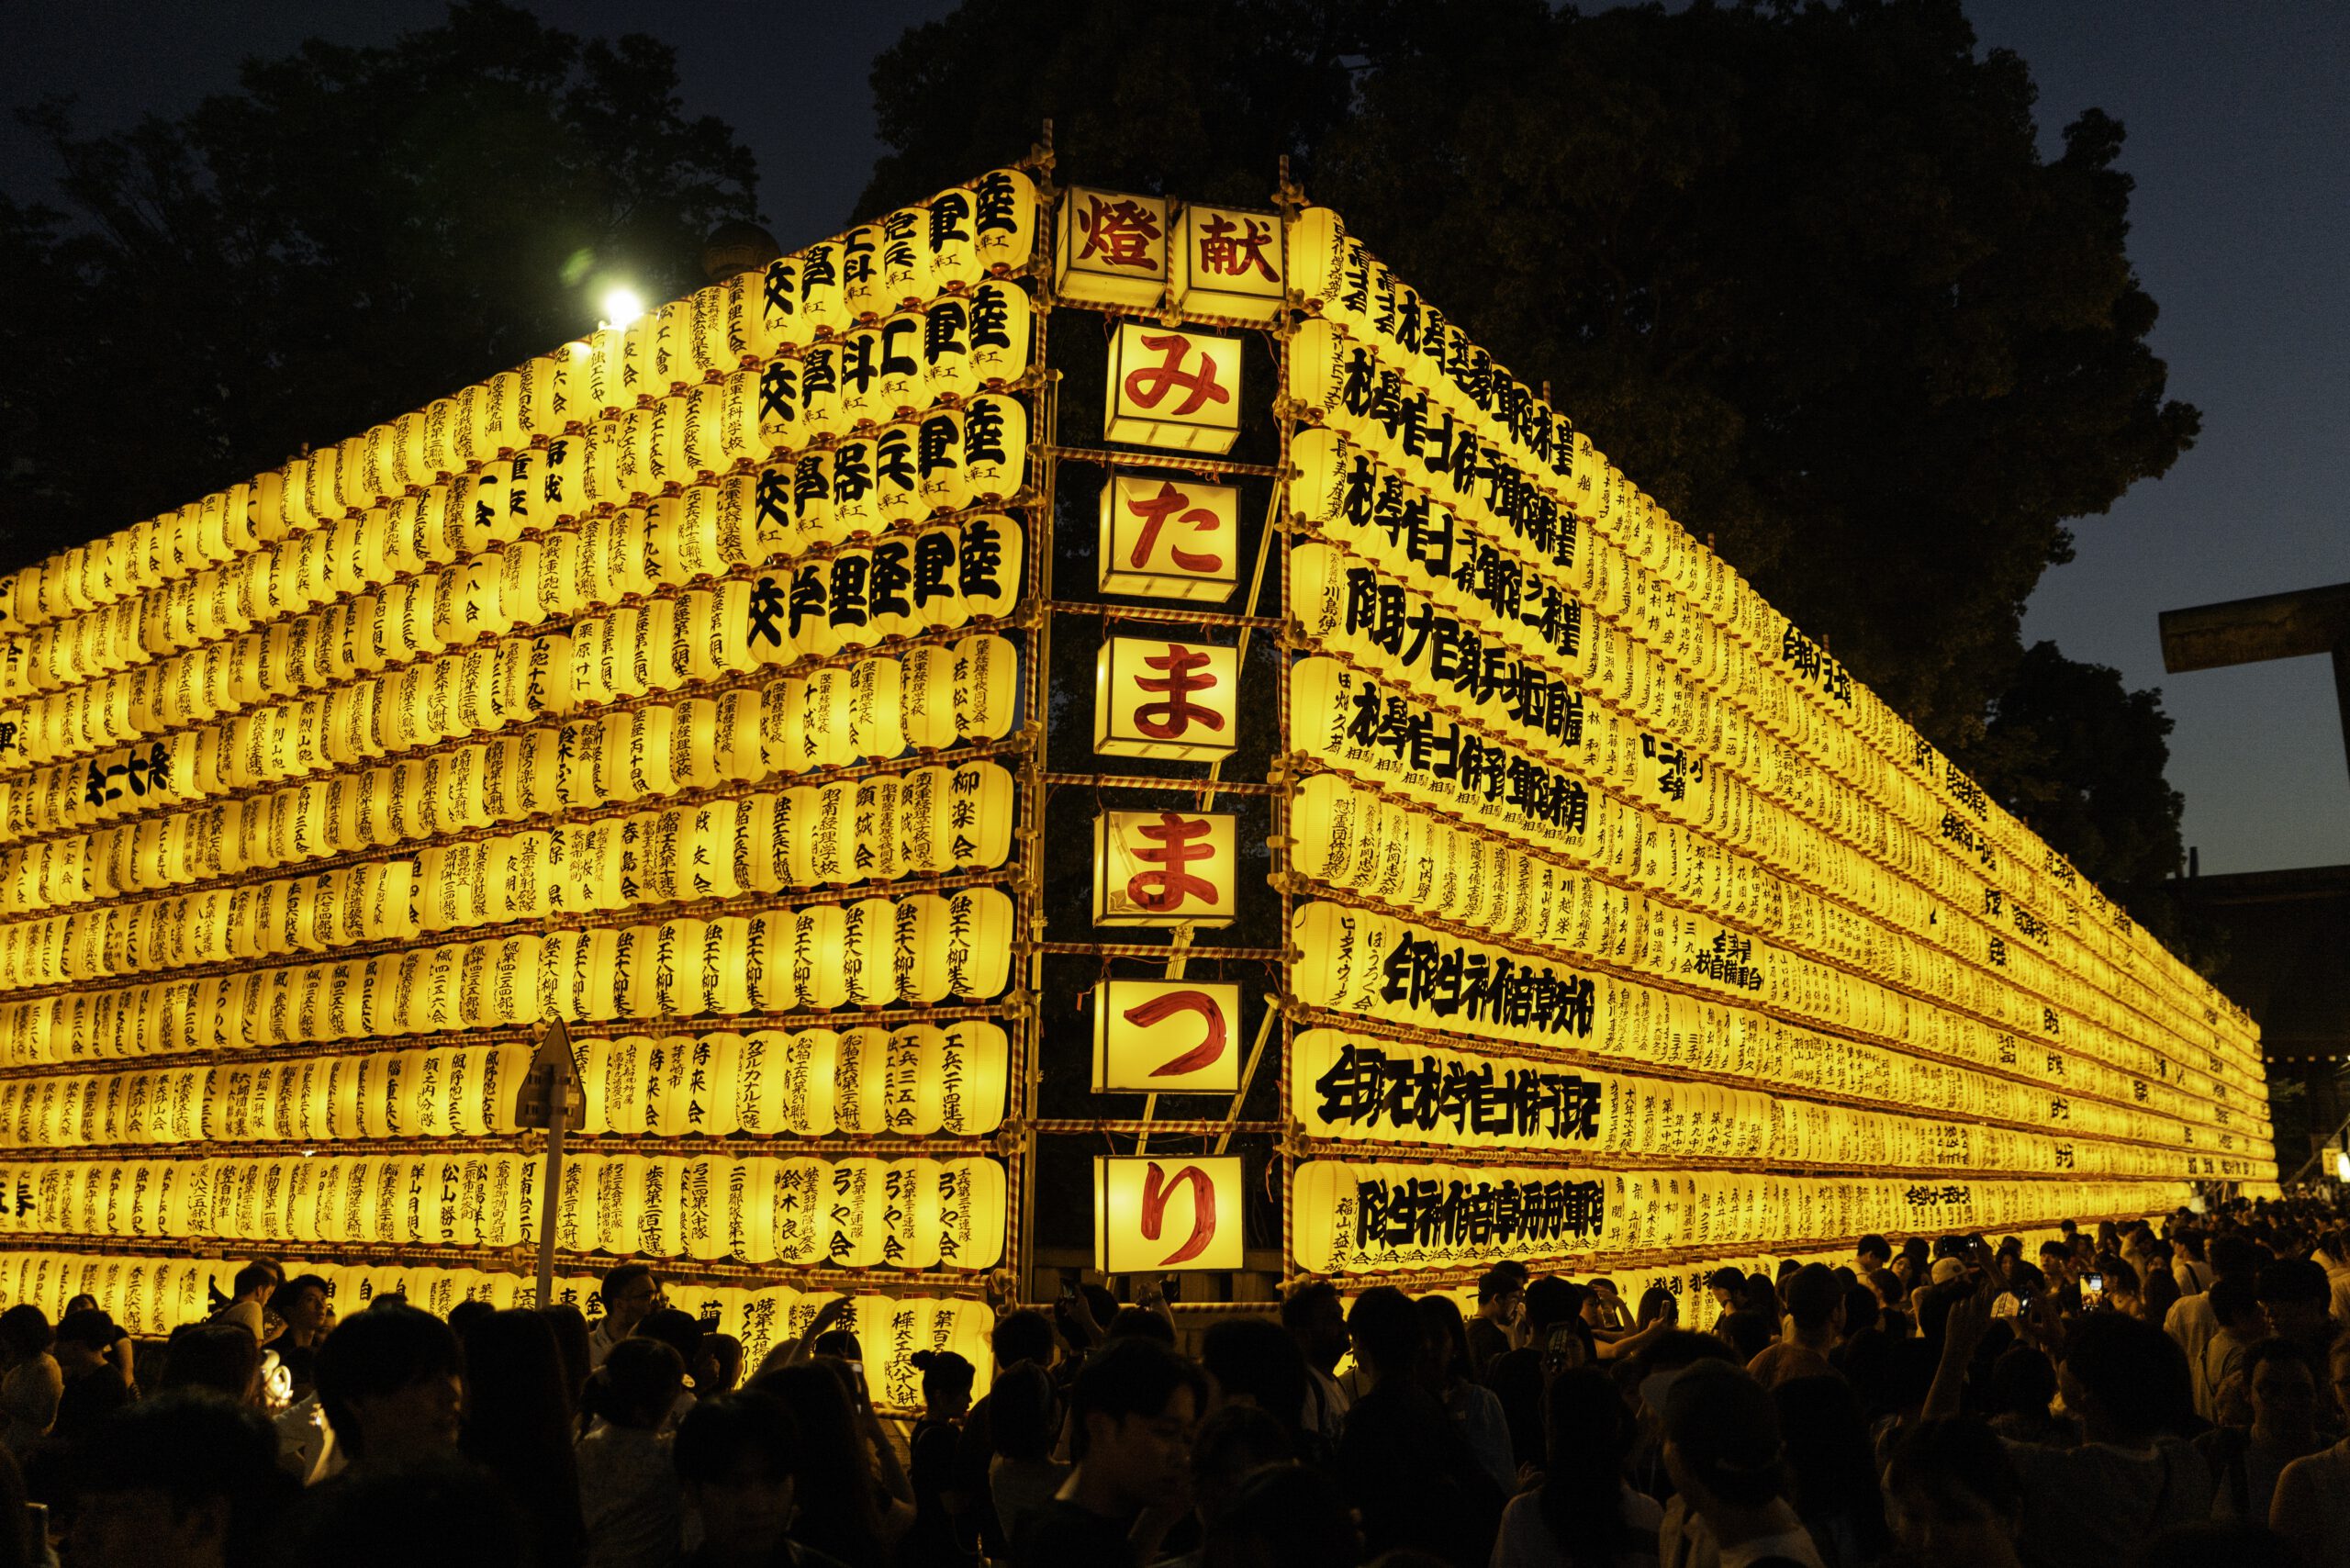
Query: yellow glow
{"points": [[622, 306]]}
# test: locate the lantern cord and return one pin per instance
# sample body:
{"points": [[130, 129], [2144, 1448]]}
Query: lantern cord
{"points": [[1209, 467], [1196, 1128], [1147, 950], [1100, 781], [1153, 613]]}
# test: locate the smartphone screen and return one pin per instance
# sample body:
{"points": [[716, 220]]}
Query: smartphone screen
{"points": [[2092, 1289]]}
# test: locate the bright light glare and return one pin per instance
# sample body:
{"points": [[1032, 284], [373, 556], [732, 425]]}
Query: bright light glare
{"points": [[622, 306]]}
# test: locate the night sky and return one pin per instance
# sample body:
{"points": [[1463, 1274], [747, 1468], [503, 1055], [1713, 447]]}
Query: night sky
{"points": [[2236, 124]]}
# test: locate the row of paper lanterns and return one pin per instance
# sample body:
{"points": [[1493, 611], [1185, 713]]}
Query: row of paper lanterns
{"points": [[822, 289], [1334, 707], [1325, 463], [1366, 1218], [1415, 860], [1434, 359], [931, 697], [918, 1081], [1366, 1089], [878, 952], [937, 580], [852, 1212], [1357, 960], [1331, 598], [928, 822]]}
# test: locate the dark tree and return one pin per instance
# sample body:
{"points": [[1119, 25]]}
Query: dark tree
{"points": [[1801, 271], [354, 233]]}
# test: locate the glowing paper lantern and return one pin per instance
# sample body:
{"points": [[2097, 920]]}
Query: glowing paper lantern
{"points": [[1166, 538], [1153, 1216], [1167, 1036], [1110, 248], [1227, 263], [1175, 390], [1165, 699]]}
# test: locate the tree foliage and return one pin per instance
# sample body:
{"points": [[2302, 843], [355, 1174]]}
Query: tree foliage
{"points": [[354, 232], [1801, 270]]}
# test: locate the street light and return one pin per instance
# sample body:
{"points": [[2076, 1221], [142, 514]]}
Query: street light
{"points": [[622, 306]]}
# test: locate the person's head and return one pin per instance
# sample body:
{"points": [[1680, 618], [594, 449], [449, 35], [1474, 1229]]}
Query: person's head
{"points": [[1550, 1301], [1230, 1446], [1604, 1289], [222, 1356], [1655, 1302], [1746, 1331], [184, 1479], [946, 1383], [2235, 1256], [1815, 1302], [2023, 1382], [1729, 1287], [2298, 1295], [628, 1293], [1387, 1332], [1444, 1341], [674, 1329], [1022, 1337], [1316, 1319], [1134, 1405], [1248, 1361], [1870, 1254], [1501, 1291], [254, 1282], [2056, 1262], [1956, 1500], [23, 1333], [2281, 1381], [1025, 1412], [1285, 1516], [736, 1456], [84, 1337], [465, 1314], [304, 1303], [1722, 1439], [2236, 1307], [1887, 1287], [1862, 1310], [636, 1385], [391, 1381], [717, 1365], [2125, 1378], [1762, 1295], [1141, 1321]]}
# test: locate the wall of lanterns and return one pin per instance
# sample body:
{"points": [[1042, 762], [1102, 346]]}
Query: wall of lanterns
{"points": [[691, 684], [671, 684]]}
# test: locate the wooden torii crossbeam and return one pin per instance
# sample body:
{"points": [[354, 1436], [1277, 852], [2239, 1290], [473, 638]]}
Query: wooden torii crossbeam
{"points": [[2274, 626]]}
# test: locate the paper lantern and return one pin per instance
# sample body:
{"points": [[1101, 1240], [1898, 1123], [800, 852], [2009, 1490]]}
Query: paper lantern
{"points": [[855, 1193], [1164, 698], [1161, 539], [1174, 389], [1226, 263], [1110, 248], [1175, 1214], [1166, 1036], [1165, 868]]}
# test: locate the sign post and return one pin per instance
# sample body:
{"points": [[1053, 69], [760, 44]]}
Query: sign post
{"points": [[545, 1100]]}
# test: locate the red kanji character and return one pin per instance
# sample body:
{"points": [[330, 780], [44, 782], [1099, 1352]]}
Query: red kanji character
{"points": [[1166, 1005], [1163, 891], [1171, 718], [1155, 512], [1120, 232], [1147, 385], [1220, 252], [1157, 1190]]}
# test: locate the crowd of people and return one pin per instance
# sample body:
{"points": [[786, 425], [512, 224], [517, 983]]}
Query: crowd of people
{"points": [[2167, 1394]]}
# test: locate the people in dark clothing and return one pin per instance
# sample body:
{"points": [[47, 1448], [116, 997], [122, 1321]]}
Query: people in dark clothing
{"points": [[1133, 1409], [1401, 1459]]}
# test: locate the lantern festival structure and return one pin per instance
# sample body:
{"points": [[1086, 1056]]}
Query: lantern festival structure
{"points": [[1239, 786]]}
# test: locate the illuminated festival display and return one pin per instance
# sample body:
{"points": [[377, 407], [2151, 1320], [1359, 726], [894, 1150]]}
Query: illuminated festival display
{"points": [[900, 742]]}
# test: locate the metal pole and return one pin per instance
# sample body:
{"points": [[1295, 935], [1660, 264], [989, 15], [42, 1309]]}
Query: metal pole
{"points": [[554, 1051]]}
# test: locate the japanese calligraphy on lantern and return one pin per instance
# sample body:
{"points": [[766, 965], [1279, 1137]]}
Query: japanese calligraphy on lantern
{"points": [[1166, 537], [1111, 247], [1166, 699], [1158, 1036], [1227, 264], [1165, 868], [1171, 388], [1155, 1214]]}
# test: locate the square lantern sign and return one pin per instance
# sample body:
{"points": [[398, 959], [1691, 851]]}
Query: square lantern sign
{"points": [[1110, 248], [1173, 389], [1228, 263], [1153, 698], [1166, 868], [1167, 537], [1166, 1036], [1152, 1215]]}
